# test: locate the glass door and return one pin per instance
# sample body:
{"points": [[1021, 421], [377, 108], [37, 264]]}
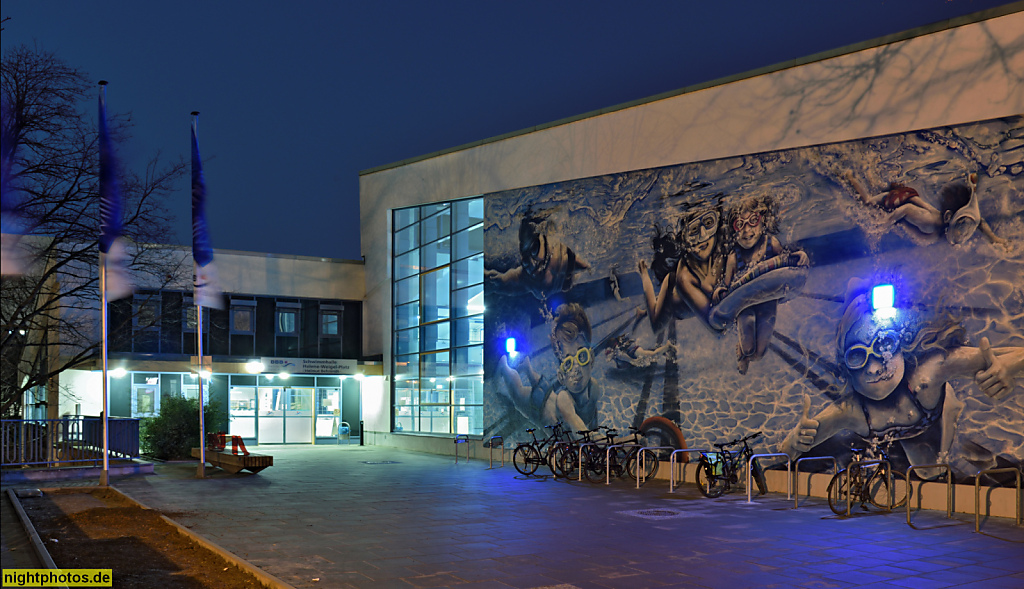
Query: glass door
{"points": [[242, 412], [298, 415], [328, 414], [271, 415]]}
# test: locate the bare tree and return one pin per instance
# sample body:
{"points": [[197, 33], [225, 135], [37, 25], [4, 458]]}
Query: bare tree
{"points": [[50, 150]]}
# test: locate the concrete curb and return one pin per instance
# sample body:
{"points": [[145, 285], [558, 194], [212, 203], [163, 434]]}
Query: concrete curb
{"points": [[38, 475], [33, 536], [264, 577]]}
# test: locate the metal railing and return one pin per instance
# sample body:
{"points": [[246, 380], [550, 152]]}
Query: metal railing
{"points": [[949, 487], [977, 494], [796, 476], [499, 442], [789, 474], [461, 439], [672, 462], [641, 459], [67, 441], [580, 457]]}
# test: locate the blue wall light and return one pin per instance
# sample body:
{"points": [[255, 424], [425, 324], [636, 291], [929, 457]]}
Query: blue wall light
{"points": [[510, 346], [883, 298]]}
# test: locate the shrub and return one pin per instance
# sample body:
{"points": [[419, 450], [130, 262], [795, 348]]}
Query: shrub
{"points": [[172, 434]]}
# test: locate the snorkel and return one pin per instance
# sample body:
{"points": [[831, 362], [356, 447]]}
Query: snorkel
{"points": [[962, 223]]}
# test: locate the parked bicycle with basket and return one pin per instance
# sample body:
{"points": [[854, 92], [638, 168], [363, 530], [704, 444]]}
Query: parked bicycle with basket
{"points": [[718, 472]]}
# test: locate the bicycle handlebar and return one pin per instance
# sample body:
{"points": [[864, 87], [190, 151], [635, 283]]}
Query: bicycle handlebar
{"points": [[738, 440]]}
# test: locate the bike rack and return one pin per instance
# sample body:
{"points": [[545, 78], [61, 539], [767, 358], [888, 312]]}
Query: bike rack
{"points": [[672, 466], [796, 476], [949, 487], [608, 460], [977, 494], [643, 461], [580, 467], [499, 442], [461, 439], [789, 473], [888, 476]]}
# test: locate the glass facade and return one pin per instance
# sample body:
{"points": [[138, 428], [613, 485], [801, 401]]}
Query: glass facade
{"points": [[437, 315]]}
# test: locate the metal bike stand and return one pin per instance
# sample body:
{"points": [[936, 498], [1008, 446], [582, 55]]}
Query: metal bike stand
{"points": [[495, 441], [949, 487], [789, 473], [580, 477], [461, 439], [672, 466], [554, 449], [608, 460], [643, 461], [796, 476], [888, 476], [977, 494]]}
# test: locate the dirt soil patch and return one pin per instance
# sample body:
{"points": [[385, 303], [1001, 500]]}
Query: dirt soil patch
{"points": [[99, 529]]}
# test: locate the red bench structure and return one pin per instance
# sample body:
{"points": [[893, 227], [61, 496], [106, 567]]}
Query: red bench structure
{"points": [[233, 461]]}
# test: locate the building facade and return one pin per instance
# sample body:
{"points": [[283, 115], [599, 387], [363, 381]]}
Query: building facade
{"points": [[700, 265], [282, 361]]}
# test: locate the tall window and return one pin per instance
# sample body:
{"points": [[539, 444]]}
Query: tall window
{"points": [[438, 318]]}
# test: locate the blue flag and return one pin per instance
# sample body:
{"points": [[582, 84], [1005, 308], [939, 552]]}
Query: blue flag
{"points": [[207, 291], [113, 254]]}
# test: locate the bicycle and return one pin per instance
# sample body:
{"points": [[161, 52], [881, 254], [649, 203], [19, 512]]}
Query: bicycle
{"points": [[868, 483], [529, 456], [718, 471]]}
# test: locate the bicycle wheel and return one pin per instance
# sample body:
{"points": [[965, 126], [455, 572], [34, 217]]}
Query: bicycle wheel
{"points": [[568, 461], [762, 485], [838, 489], [650, 464], [710, 484], [878, 489], [526, 459], [593, 464]]}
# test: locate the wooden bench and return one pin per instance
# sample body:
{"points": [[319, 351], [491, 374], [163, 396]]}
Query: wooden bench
{"points": [[233, 461]]}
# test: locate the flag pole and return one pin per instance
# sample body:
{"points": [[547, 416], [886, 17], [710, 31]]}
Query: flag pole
{"points": [[201, 468], [105, 475]]}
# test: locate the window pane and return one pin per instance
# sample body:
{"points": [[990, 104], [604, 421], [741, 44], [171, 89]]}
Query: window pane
{"points": [[468, 212], [241, 320], [469, 419], [434, 390], [436, 293], [437, 226], [470, 241], [407, 341], [286, 322], [436, 336], [468, 390], [329, 322], [405, 217], [146, 314], [469, 330], [434, 366], [407, 264], [407, 290], [407, 367], [407, 239], [469, 360], [407, 315], [469, 301], [437, 253], [469, 271], [436, 419]]}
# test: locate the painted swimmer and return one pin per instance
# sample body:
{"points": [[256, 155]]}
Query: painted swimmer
{"points": [[957, 217], [899, 383], [548, 266]]}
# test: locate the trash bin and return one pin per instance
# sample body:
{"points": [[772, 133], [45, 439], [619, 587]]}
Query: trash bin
{"points": [[344, 432]]}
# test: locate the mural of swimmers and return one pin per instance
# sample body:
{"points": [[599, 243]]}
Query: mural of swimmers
{"points": [[744, 303]]}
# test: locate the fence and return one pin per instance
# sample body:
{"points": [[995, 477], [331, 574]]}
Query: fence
{"points": [[69, 441]]}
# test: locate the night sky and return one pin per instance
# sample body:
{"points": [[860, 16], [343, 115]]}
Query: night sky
{"points": [[298, 97]]}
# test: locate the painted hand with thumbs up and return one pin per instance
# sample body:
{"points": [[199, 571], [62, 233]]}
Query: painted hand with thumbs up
{"points": [[801, 438], [996, 379]]}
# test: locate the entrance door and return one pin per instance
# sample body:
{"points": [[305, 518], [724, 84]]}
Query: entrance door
{"points": [[270, 428]]}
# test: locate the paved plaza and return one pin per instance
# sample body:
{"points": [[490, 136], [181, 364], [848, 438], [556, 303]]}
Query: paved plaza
{"points": [[336, 516]]}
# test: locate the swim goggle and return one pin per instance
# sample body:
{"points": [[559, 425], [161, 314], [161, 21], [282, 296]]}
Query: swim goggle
{"points": [[752, 221], [582, 357], [702, 228], [882, 347]]}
